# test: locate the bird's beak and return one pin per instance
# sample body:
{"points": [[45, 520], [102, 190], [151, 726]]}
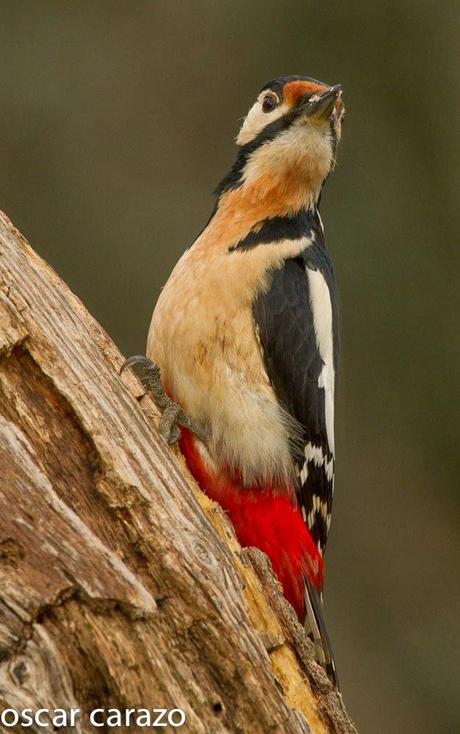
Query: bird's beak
{"points": [[320, 107]]}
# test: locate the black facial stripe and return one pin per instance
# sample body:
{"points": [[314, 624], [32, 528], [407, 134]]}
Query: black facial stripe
{"points": [[275, 229], [233, 178]]}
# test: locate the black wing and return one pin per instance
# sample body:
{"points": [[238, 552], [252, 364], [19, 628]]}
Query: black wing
{"points": [[286, 329]]}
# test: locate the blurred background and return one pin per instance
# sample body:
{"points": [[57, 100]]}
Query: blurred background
{"points": [[118, 119]]}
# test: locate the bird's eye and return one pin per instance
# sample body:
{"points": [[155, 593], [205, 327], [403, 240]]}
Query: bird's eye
{"points": [[269, 102]]}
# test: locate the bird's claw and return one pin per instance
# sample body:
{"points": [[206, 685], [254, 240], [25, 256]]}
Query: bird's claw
{"points": [[169, 424], [172, 415], [150, 376]]}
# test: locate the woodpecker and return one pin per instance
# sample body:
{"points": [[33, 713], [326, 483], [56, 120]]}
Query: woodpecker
{"points": [[245, 337]]}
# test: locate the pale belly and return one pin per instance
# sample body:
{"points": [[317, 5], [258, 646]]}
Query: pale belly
{"points": [[203, 337]]}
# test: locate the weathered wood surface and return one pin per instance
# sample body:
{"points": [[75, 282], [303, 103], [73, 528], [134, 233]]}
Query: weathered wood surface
{"points": [[121, 584]]}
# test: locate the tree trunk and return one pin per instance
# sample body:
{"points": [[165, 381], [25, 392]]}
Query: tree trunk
{"points": [[122, 585]]}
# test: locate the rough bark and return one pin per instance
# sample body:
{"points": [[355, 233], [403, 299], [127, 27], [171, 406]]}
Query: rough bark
{"points": [[121, 584]]}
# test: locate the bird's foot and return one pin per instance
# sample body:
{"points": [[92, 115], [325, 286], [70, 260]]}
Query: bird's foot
{"points": [[172, 415]]}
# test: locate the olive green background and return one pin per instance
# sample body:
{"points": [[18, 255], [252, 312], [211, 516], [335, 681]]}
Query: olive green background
{"points": [[117, 121]]}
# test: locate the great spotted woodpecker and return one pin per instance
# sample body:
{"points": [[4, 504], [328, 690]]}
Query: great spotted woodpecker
{"points": [[245, 336]]}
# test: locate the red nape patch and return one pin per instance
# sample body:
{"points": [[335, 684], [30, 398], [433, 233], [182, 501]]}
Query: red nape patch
{"points": [[267, 520], [294, 90]]}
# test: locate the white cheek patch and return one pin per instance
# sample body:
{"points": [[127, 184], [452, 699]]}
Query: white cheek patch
{"points": [[257, 119]]}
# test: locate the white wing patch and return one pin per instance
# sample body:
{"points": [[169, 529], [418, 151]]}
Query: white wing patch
{"points": [[321, 307]]}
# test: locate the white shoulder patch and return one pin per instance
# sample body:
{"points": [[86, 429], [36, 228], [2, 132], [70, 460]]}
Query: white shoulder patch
{"points": [[320, 301]]}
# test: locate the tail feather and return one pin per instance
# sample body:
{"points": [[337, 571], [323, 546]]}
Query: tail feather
{"points": [[316, 627]]}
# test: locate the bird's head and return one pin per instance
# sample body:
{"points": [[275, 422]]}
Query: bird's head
{"points": [[288, 140]]}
